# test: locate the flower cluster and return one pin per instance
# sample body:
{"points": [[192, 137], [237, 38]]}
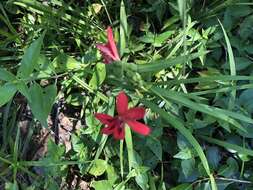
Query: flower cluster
{"points": [[116, 125]]}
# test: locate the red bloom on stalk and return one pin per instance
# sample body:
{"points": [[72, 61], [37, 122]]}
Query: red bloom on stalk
{"points": [[116, 125], [109, 50]]}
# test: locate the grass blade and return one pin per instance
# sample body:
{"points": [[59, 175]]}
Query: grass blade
{"points": [[123, 28], [225, 89], [176, 123], [231, 66], [7, 91], [224, 115], [87, 87], [156, 66], [121, 157], [218, 79], [129, 144], [226, 145], [30, 58]]}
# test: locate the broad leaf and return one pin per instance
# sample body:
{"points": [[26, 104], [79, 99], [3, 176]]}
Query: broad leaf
{"points": [[30, 58], [101, 185], [7, 91], [98, 76], [6, 75], [98, 167], [158, 65], [168, 117], [42, 101], [155, 146]]}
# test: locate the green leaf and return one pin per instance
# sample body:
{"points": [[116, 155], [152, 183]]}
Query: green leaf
{"points": [[7, 91], [162, 186], [245, 100], [30, 58], [98, 76], [218, 79], [188, 166], [156, 40], [23, 89], [156, 147], [182, 10], [151, 181], [129, 144], [162, 38], [249, 131], [11, 186], [142, 181], [101, 185], [6, 75], [64, 63], [230, 52], [42, 101], [123, 28], [226, 145], [121, 158], [242, 63], [230, 169], [87, 87], [182, 142], [224, 115], [175, 122], [120, 186], [76, 99], [184, 186], [156, 66], [244, 157], [231, 65], [213, 156], [54, 151], [240, 10], [184, 154], [111, 174], [78, 145], [245, 28], [98, 167]]}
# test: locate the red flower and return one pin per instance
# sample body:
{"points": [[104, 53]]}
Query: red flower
{"points": [[115, 125], [109, 51]]}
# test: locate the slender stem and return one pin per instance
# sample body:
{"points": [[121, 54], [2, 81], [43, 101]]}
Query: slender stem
{"points": [[108, 15], [121, 159], [129, 144], [242, 169], [5, 160], [41, 163], [243, 163]]}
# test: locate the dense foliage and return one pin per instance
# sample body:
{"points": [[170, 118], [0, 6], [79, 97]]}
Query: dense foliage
{"points": [[168, 107]]}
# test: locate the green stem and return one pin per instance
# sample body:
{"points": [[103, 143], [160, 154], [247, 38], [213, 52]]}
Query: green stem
{"points": [[121, 159]]}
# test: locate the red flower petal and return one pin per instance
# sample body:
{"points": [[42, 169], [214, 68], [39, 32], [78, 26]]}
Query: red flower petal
{"points": [[134, 113], [122, 103], [119, 133], [139, 127], [106, 53], [112, 44], [108, 130], [107, 59], [104, 118]]}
